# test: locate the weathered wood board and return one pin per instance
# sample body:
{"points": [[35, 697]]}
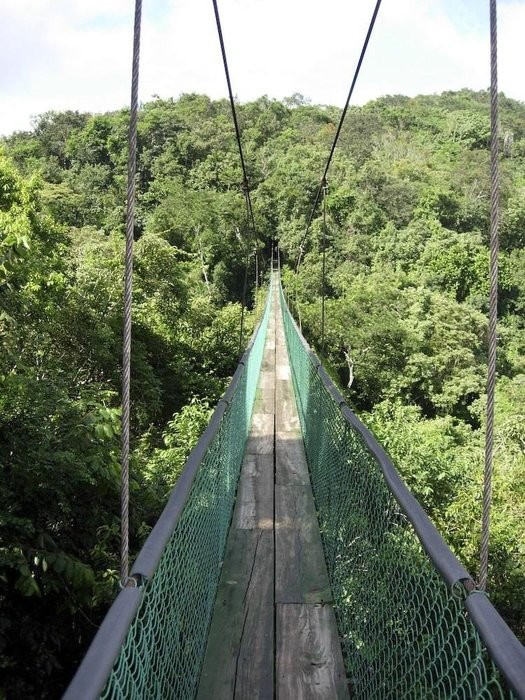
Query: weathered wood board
{"points": [[286, 416], [239, 659], [267, 379], [309, 661], [254, 507], [290, 460], [300, 568], [264, 400], [270, 636]]}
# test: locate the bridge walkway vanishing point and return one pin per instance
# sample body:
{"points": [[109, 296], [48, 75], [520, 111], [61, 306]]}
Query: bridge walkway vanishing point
{"points": [[273, 631]]}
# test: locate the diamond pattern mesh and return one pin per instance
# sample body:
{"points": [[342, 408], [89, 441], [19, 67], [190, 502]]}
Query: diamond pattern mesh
{"points": [[163, 651], [404, 633]]}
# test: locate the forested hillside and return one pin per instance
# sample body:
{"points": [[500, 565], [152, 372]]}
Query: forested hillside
{"points": [[407, 288]]}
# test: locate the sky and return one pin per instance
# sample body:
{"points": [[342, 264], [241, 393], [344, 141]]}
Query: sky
{"points": [[76, 54]]}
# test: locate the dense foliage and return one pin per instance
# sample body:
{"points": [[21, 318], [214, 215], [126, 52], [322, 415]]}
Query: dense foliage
{"points": [[406, 293], [61, 259]]}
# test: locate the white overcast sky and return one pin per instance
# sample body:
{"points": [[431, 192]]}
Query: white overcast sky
{"points": [[76, 54]]}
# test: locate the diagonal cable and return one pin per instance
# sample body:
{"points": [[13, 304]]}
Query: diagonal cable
{"points": [[322, 184], [245, 183]]}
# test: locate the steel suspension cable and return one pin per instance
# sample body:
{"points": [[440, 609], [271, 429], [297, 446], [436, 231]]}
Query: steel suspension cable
{"points": [[244, 288], [245, 182], [245, 282], [128, 293], [338, 131], [234, 110], [323, 276], [493, 302]]}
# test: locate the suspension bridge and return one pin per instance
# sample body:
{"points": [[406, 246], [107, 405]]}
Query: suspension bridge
{"points": [[291, 560]]}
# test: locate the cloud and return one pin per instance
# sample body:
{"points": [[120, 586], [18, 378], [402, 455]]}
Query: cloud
{"points": [[423, 51], [58, 57], [72, 54], [511, 49]]}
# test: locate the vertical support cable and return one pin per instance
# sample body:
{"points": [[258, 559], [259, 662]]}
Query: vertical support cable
{"points": [[243, 307], [323, 293], [249, 215], [493, 303], [128, 291], [256, 252], [246, 192]]}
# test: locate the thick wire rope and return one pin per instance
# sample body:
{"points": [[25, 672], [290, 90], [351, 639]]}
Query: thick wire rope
{"points": [[493, 302], [245, 182], [128, 293], [338, 132], [244, 288], [245, 282], [323, 275], [256, 272]]}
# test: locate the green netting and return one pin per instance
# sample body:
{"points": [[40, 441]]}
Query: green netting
{"points": [[164, 649], [404, 634]]}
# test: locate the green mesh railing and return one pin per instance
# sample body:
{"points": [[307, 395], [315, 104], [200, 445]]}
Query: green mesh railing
{"points": [[403, 628], [164, 623]]}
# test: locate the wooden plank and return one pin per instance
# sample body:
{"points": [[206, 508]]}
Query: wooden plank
{"points": [[255, 658], [284, 390], [281, 349], [309, 661], [286, 416], [281, 353], [264, 401], [262, 425], [290, 459], [267, 379], [300, 568], [282, 371], [259, 444], [261, 435], [239, 659], [254, 504], [268, 361]]}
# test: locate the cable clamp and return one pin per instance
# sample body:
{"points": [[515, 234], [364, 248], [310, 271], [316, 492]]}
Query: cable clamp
{"points": [[129, 582], [462, 588]]}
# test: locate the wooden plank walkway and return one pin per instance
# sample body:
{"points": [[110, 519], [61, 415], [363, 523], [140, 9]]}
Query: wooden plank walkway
{"points": [[273, 632]]}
